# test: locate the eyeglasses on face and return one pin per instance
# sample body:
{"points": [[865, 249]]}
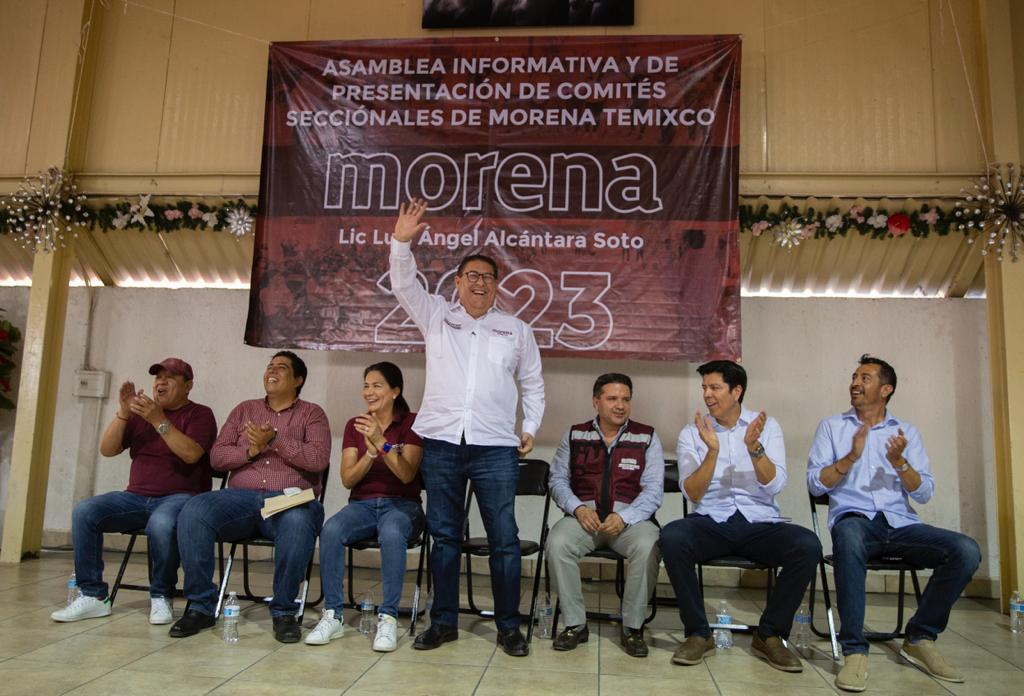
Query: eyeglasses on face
{"points": [[473, 276]]}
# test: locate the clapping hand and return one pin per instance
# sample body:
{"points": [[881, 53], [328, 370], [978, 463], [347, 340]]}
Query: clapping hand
{"points": [[894, 447], [706, 429]]}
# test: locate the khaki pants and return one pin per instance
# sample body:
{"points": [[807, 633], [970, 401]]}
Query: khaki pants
{"points": [[568, 542]]}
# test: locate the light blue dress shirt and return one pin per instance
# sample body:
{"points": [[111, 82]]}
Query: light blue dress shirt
{"points": [[734, 486], [652, 481], [873, 485]]}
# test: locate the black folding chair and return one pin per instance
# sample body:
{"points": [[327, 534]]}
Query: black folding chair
{"points": [[266, 543], [533, 481], [889, 562]]}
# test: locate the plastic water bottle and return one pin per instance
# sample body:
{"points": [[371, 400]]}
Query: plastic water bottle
{"points": [[367, 622], [723, 636], [73, 591], [230, 614], [801, 638], [1017, 612], [545, 615]]}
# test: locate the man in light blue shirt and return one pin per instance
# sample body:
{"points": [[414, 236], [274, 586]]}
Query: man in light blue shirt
{"points": [[608, 476], [871, 464], [731, 465]]}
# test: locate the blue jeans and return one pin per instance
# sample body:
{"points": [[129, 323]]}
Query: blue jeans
{"points": [[232, 514], [698, 538], [393, 522], [494, 472], [121, 511], [856, 539]]}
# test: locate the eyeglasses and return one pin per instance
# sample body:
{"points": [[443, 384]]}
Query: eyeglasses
{"points": [[473, 276]]}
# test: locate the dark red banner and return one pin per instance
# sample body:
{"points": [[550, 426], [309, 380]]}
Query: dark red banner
{"points": [[600, 172]]}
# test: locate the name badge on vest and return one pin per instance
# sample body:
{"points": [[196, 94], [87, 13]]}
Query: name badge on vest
{"points": [[628, 464]]}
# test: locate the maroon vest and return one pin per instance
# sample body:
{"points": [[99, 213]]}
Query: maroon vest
{"points": [[603, 477]]}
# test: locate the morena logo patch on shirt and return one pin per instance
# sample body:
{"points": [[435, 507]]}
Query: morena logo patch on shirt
{"points": [[629, 464], [452, 324], [502, 332]]}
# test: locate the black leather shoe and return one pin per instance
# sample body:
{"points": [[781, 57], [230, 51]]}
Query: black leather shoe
{"points": [[633, 642], [571, 636], [190, 624], [513, 643], [435, 636], [286, 629]]}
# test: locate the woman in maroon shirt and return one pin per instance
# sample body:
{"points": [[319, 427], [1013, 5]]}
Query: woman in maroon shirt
{"points": [[380, 463]]}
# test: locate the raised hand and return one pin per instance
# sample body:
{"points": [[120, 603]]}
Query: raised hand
{"points": [[706, 429], [125, 397], [859, 439], [754, 430], [894, 447], [408, 225]]}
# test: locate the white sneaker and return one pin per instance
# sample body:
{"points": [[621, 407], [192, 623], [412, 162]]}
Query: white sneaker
{"points": [[82, 608], [160, 611], [387, 633], [327, 629]]}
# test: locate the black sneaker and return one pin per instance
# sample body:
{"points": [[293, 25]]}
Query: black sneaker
{"points": [[513, 643], [286, 629], [571, 636], [633, 642], [190, 624], [435, 636]]}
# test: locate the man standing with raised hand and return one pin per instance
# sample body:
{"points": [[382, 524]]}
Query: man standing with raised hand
{"points": [[479, 361], [871, 463]]}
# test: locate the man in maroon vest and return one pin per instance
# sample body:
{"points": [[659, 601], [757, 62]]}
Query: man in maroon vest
{"points": [[608, 477]]}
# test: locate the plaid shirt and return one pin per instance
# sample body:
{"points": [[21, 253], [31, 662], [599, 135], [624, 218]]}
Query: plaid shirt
{"points": [[297, 456]]}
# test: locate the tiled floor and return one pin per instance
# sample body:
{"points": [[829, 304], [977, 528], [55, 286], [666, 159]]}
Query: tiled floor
{"points": [[123, 654]]}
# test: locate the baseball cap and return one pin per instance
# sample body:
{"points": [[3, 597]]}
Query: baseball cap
{"points": [[176, 366]]}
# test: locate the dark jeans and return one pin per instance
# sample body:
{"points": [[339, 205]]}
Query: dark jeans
{"points": [[857, 539], [232, 514], [393, 523], [494, 472], [698, 538], [121, 511]]}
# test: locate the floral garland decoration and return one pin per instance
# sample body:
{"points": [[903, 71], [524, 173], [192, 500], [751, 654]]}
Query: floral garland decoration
{"points": [[177, 215], [10, 335], [790, 225]]}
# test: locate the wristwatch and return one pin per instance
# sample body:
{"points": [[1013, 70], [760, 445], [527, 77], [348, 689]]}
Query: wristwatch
{"points": [[164, 427], [901, 469], [757, 452]]}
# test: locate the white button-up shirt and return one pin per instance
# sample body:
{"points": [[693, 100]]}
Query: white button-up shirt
{"points": [[872, 485], [473, 365], [734, 486]]}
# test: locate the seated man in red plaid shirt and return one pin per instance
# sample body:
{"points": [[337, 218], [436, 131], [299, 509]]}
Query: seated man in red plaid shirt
{"points": [[267, 445]]}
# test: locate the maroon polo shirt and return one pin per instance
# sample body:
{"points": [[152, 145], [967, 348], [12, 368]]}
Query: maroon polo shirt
{"points": [[380, 481], [156, 470]]}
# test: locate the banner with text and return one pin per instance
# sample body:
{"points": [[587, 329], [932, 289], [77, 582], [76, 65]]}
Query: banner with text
{"points": [[600, 172]]}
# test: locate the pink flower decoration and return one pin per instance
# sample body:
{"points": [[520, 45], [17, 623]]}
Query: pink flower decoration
{"points": [[855, 213], [194, 212], [173, 214], [931, 217], [759, 227]]}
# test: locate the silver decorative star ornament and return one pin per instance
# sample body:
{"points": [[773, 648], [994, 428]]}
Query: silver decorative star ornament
{"points": [[240, 221], [993, 210], [46, 211]]}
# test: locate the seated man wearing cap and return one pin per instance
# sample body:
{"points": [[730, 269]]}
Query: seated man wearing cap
{"points": [[267, 446], [169, 439]]}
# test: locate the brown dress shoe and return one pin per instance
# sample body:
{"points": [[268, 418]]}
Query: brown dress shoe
{"points": [[775, 653], [633, 642], [692, 650]]}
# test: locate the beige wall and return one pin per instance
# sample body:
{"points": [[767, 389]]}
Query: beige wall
{"points": [[838, 97]]}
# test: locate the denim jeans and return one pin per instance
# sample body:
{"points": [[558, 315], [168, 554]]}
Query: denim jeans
{"points": [[121, 511], [857, 539], [392, 522], [698, 538], [232, 514], [494, 472]]}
